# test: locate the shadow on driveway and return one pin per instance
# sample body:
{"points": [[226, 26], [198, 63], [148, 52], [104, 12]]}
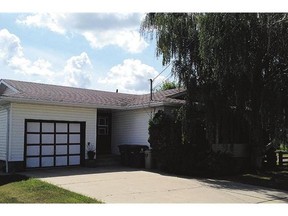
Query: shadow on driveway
{"points": [[241, 188]]}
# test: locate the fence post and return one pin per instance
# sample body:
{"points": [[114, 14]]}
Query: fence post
{"points": [[280, 158]]}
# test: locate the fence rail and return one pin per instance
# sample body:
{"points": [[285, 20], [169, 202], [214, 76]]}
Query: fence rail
{"points": [[282, 158]]}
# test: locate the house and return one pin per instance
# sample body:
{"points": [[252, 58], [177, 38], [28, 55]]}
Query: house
{"points": [[49, 126]]}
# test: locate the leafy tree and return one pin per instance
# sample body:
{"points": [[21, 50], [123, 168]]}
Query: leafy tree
{"points": [[234, 60], [168, 85]]}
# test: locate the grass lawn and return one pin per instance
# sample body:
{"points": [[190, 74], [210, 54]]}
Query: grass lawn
{"points": [[277, 179], [20, 189]]}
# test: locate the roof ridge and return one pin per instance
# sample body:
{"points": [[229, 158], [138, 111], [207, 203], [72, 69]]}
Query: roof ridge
{"points": [[61, 86]]}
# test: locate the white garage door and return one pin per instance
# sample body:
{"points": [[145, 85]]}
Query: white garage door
{"points": [[52, 144]]}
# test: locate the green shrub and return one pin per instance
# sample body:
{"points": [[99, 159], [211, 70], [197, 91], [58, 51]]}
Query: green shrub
{"points": [[165, 139], [172, 155], [212, 164]]}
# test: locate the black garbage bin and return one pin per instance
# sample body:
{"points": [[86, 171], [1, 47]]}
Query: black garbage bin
{"points": [[137, 155], [125, 157], [133, 155]]}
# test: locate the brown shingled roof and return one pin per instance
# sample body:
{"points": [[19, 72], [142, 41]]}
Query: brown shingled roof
{"points": [[44, 93]]}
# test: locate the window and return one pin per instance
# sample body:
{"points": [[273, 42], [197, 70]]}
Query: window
{"points": [[103, 127], [102, 121]]}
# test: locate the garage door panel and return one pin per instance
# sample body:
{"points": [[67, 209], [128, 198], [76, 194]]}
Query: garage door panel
{"points": [[33, 162], [74, 149], [74, 160], [47, 150], [33, 138], [33, 127], [61, 138], [61, 160], [47, 138], [61, 149], [74, 138], [47, 127], [61, 127], [47, 161], [33, 150], [74, 128]]}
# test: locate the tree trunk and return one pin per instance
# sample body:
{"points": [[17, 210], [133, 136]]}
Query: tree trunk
{"points": [[256, 154], [256, 139]]}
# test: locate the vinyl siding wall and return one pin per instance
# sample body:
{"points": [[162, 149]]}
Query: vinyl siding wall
{"points": [[3, 133], [130, 127], [20, 112]]}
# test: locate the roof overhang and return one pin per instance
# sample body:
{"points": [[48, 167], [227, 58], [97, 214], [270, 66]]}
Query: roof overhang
{"points": [[178, 94], [54, 103], [6, 100]]}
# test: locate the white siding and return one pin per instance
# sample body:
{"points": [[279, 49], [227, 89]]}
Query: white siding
{"points": [[3, 133], [20, 112], [130, 127]]}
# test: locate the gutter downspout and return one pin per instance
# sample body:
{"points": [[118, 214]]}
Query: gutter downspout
{"points": [[151, 90], [7, 139]]}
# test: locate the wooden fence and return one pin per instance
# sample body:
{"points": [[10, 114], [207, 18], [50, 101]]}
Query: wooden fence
{"points": [[282, 158]]}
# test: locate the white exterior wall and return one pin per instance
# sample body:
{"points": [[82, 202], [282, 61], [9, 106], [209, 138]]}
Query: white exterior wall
{"points": [[20, 112], [130, 127], [3, 133]]}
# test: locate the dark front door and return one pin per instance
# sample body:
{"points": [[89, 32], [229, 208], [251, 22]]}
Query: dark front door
{"points": [[103, 133]]}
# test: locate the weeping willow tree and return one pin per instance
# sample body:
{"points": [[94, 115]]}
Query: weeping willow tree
{"points": [[235, 60]]}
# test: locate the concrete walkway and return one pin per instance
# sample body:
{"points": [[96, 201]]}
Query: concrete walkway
{"points": [[126, 185]]}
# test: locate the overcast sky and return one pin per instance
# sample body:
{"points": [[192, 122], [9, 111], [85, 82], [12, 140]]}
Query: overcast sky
{"points": [[97, 50]]}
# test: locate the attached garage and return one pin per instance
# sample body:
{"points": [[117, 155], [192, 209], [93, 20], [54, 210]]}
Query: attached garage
{"points": [[54, 143]]}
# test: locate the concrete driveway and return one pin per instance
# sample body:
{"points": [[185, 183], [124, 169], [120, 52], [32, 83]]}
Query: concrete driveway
{"points": [[126, 185]]}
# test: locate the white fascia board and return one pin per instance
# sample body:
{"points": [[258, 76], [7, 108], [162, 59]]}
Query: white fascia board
{"points": [[29, 101], [6, 100], [152, 104]]}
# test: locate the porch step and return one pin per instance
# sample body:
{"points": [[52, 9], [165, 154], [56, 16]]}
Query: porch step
{"points": [[108, 160]]}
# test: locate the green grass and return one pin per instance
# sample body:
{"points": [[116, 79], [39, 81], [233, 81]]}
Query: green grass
{"points": [[270, 179], [36, 191], [259, 177]]}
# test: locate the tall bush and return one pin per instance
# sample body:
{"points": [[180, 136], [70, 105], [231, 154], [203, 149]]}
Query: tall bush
{"points": [[165, 139], [172, 154]]}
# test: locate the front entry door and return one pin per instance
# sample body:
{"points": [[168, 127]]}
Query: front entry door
{"points": [[103, 134]]}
